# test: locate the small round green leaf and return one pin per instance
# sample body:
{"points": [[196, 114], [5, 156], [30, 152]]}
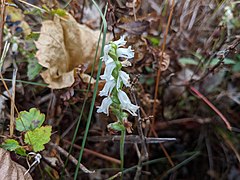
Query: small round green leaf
{"points": [[29, 120]]}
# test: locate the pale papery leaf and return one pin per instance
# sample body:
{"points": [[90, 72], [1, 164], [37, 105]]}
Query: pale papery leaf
{"points": [[10, 169], [63, 45]]}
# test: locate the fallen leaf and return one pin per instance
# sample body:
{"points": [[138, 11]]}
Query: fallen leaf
{"points": [[135, 27], [10, 169], [165, 61], [62, 46]]}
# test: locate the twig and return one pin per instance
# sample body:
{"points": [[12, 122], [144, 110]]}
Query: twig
{"points": [[129, 139], [195, 91], [159, 69], [221, 58], [157, 82], [144, 154], [12, 119], [29, 4], [3, 11], [71, 158], [23, 8], [105, 157]]}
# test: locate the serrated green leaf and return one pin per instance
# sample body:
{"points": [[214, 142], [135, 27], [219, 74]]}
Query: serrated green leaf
{"points": [[13, 145], [187, 61], [29, 120], [10, 145], [38, 137]]}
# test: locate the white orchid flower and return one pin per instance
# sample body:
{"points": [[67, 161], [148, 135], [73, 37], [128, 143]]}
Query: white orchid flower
{"points": [[124, 77], [110, 65], [104, 108], [126, 103], [125, 52], [106, 50], [120, 42], [108, 87]]}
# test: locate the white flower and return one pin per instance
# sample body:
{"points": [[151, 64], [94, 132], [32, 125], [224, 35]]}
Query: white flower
{"points": [[106, 50], [125, 52], [120, 42], [108, 87], [106, 102], [126, 103], [124, 77], [110, 65]]}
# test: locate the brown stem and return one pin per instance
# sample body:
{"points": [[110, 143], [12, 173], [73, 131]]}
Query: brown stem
{"points": [[3, 11], [159, 69]]}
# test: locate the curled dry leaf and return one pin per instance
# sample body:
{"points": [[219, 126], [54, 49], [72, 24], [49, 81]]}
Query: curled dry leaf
{"points": [[162, 59], [165, 61], [63, 45], [10, 169]]}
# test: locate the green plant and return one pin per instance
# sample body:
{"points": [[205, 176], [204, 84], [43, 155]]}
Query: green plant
{"points": [[116, 99], [29, 123]]}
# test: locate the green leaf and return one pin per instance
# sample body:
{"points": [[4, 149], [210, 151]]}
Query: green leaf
{"points": [[10, 145], [33, 36], [149, 70], [116, 126], [38, 137], [60, 12], [13, 145], [33, 68], [21, 151], [226, 61], [29, 120], [236, 67], [187, 61], [150, 81], [153, 40]]}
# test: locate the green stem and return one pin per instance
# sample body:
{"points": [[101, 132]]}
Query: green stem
{"points": [[95, 90], [122, 140]]}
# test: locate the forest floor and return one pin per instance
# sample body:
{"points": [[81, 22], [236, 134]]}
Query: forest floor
{"points": [[183, 83]]}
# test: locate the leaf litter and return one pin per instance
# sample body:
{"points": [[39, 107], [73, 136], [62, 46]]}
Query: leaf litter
{"points": [[64, 44]]}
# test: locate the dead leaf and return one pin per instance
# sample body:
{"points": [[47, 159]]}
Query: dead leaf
{"points": [[63, 45], [135, 27], [160, 62], [165, 61], [10, 169]]}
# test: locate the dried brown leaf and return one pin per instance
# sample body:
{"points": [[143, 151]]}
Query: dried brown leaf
{"points": [[63, 45], [162, 59], [165, 61], [10, 169], [135, 27]]}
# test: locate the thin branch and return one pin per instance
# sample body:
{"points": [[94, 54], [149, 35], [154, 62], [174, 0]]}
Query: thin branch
{"points": [[3, 11], [201, 96], [71, 158], [100, 155], [161, 59], [131, 139]]}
